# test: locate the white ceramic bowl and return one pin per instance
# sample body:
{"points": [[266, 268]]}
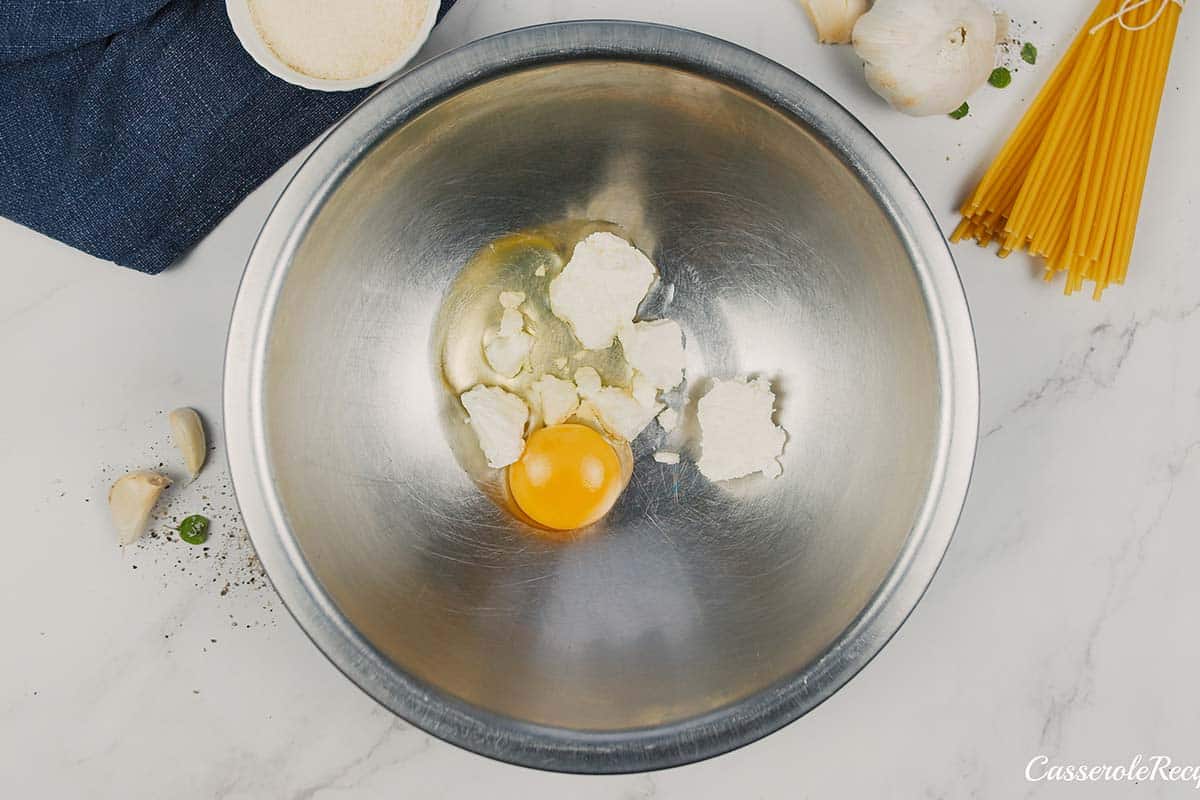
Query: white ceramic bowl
{"points": [[247, 33]]}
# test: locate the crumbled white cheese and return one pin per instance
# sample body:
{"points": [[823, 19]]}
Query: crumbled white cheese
{"points": [[655, 349], [558, 399], [540, 271], [507, 349], [644, 390], [668, 419], [738, 436], [600, 288], [588, 381], [507, 354], [616, 409], [621, 414], [666, 457], [498, 419]]}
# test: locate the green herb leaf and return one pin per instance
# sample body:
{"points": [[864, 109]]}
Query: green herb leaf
{"points": [[1000, 77], [960, 112], [1029, 53], [194, 529]]}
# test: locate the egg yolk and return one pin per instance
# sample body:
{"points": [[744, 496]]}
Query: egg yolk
{"points": [[568, 477]]}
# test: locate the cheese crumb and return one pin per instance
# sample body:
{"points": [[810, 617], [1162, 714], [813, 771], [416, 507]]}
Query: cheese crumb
{"points": [[617, 410], [588, 381], [655, 349], [738, 436], [498, 419], [507, 354], [558, 399], [621, 414], [600, 288], [666, 457], [507, 349], [644, 390]]}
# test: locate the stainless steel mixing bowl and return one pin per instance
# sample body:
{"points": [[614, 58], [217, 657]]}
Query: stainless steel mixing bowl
{"points": [[700, 616]]}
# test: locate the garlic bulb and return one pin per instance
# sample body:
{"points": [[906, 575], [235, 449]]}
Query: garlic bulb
{"points": [[834, 19], [131, 499], [926, 56]]}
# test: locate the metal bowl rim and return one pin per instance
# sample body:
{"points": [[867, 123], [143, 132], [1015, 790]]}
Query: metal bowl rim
{"points": [[501, 737]]}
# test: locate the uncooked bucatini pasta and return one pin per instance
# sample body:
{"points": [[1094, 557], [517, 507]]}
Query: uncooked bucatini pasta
{"points": [[1068, 183]]}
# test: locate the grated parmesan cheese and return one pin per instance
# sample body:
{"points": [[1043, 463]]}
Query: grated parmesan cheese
{"points": [[338, 40]]}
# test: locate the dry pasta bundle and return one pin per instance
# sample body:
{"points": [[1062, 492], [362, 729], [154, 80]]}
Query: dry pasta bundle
{"points": [[1067, 184]]}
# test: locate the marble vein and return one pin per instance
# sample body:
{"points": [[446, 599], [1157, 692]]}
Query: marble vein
{"points": [[1123, 568], [1097, 365], [341, 776]]}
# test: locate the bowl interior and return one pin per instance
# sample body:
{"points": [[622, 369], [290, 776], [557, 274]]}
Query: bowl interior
{"points": [[690, 596]]}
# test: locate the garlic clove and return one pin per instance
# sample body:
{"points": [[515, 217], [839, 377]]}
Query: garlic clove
{"points": [[187, 432], [834, 19], [131, 499], [926, 56]]}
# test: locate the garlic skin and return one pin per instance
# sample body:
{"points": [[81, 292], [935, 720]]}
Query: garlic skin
{"points": [[926, 56], [187, 432], [834, 19], [131, 499]]}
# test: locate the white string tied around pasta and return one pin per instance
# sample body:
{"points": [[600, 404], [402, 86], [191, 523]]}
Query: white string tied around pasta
{"points": [[1133, 5]]}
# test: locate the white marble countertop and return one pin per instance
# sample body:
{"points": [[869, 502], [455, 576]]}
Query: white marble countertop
{"points": [[1061, 622]]}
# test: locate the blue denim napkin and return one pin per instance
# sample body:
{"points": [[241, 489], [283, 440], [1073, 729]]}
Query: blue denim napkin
{"points": [[130, 128]]}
